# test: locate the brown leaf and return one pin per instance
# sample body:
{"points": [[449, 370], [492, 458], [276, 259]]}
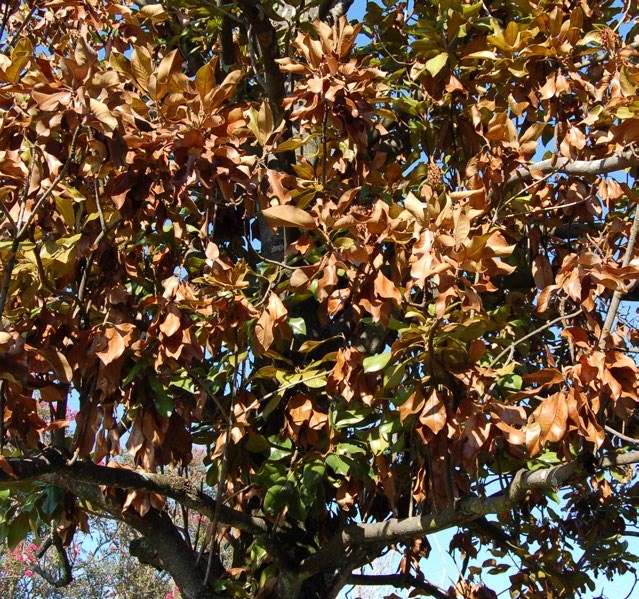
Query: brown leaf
{"points": [[434, 413], [171, 323], [141, 67], [5, 466], [552, 418], [412, 405], [264, 332], [286, 215], [205, 79], [111, 345], [542, 272], [59, 363], [103, 114]]}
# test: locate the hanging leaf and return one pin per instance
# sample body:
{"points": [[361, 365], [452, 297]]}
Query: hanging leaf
{"points": [[288, 216]]}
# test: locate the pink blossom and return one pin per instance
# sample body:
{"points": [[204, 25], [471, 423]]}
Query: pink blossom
{"points": [[28, 573]]}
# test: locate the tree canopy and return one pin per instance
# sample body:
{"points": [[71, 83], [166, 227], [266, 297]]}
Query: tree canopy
{"points": [[381, 271]]}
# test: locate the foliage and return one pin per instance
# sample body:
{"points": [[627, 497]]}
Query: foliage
{"points": [[374, 269]]}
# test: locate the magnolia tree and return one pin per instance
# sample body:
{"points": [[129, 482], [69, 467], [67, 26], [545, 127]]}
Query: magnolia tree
{"points": [[375, 270]]}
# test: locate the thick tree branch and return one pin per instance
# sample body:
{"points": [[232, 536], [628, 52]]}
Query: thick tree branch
{"points": [[467, 510], [262, 31], [400, 581], [172, 551], [564, 166], [175, 487]]}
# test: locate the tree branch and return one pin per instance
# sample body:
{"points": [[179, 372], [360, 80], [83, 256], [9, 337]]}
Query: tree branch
{"points": [[564, 166], [66, 576], [261, 28], [401, 581], [181, 490], [613, 308], [172, 552], [466, 510], [332, 10]]}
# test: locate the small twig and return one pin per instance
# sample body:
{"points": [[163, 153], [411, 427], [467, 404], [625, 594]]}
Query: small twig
{"points": [[15, 244], [2, 402], [256, 69], [5, 18], [622, 18], [43, 277], [217, 9], [324, 146], [514, 344], [7, 214], [16, 35], [626, 438], [225, 458], [289, 385], [274, 262], [209, 393], [51, 188], [23, 227], [617, 295], [548, 209]]}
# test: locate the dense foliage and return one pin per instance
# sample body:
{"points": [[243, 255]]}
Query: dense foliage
{"points": [[375, 269]]}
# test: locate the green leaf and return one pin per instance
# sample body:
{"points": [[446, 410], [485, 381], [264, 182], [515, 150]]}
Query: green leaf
{"points": [[437, 63], [298, 326], [349, 449], [377, 362], [279, 495], [394, 376], [18, 529], [163, 401], [52, 500], [511, 383], [294, 143], [134, 372], [338, 464], [313, 474], [281, 449], [257, 444]]}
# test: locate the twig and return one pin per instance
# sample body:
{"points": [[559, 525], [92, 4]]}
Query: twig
{"points": [[293, 384], [7, 214], [15, 244], [622, 18], [612, 431], [23, 227], [16, 35], [256, 69], [51, 188], [515, 343], [209, 393], [562, 165], [400, 581], [5, 17], [2, 402], [617, 295], [225, 458]]}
